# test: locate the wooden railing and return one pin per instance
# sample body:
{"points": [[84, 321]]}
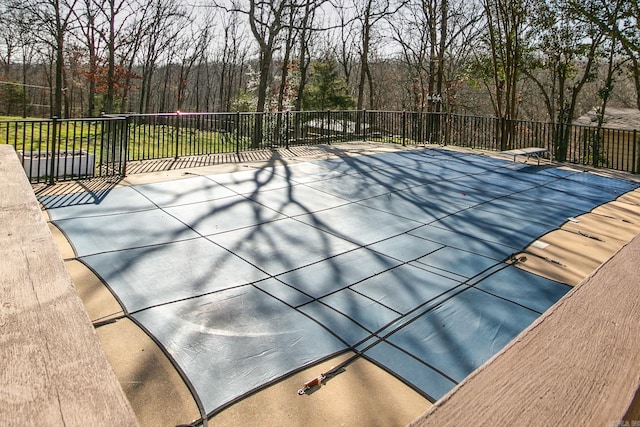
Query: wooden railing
{"points": [[53, 370]]}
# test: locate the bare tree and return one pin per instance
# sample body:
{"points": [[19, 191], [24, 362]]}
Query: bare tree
{"points": [[116, 14], [165, 20], [87, 18], [569, 48], [133, 37], [304, 53], [346, 45], [369, 13], [232, 59], [18, 38], [266, 23], [8, 36], [432, 35], [506, 37], [505, 25], [630, 39], [195, 46], [291, 33], [300, 31], [619, 21], [631, 44], [269, 22], [52, 20]]}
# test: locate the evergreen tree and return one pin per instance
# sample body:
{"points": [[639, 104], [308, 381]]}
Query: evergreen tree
{"points": [[326, 89], [12, 96]]}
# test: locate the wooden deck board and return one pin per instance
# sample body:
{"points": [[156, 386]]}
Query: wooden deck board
{"points": [[53, 370]]}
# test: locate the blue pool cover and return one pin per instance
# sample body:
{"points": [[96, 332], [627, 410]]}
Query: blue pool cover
{"points": [[247, 277]]}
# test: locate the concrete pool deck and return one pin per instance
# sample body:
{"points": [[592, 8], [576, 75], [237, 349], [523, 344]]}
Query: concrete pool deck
{"points": [[363, 394]]}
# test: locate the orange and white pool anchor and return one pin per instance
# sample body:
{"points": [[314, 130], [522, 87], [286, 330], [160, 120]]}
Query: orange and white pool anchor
{"points": [[317, 381], [312, 383]]}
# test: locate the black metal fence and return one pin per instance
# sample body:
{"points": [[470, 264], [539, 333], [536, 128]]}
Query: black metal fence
{"points": [[57, 149], [54, 149]]}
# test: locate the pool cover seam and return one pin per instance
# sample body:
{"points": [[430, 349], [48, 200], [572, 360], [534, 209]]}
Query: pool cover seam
{"points": [[274, 276], [294, 217], [178, 368], [403, 321], [361, 353], [392, 191], [404, 380], [411, 316], [352, 348]]}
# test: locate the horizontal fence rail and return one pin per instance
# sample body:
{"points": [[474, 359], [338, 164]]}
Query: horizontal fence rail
{"points": [[64, 149]]}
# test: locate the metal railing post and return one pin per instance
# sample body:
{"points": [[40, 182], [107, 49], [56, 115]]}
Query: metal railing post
{"points": [[502, 133], [447, 130], [237, 133], [404, 125], [328, 127], [286, 126], [364, 125], [125, 144], [177, 134], [636, 155], [54, 141]]}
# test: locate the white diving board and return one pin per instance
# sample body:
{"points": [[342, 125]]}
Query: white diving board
{"points": [[529, 152]]}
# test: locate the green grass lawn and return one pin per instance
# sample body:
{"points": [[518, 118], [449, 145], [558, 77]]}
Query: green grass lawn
{"points": [[145, 141]]}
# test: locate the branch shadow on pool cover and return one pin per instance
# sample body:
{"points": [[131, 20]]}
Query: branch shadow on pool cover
{"points": [[245, 278]]}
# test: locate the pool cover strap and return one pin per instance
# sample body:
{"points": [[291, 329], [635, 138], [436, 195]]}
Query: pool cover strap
{"points": [[244, 278]]}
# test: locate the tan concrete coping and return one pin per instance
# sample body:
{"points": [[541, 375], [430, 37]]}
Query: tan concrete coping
{"points": [[578, 364], [53, 370]]}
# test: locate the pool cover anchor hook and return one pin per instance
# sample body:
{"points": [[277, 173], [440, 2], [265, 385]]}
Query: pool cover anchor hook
{"points": [[320, 379]]}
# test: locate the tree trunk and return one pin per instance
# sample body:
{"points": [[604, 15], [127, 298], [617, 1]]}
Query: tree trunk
{"points": [[111, 61]]}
